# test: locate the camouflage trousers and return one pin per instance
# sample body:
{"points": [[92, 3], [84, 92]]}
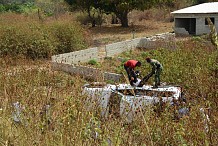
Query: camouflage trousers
{"points": [[157, 76]]}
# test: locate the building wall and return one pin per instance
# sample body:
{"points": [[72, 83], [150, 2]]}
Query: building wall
{"points": [[201, 28]]}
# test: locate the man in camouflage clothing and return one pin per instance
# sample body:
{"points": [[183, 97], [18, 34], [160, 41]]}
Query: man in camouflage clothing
{"points": [[156, 69]]}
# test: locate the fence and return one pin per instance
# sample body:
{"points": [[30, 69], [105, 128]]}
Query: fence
{"points": [[68, 62]]}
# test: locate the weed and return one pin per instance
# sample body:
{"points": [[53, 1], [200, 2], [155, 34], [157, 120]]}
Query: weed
{"points": [[92, 62]]}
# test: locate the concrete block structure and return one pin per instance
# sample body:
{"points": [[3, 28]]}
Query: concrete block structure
{"points": [[77, 56], [71, 62], [192, 20], [86, 72]]}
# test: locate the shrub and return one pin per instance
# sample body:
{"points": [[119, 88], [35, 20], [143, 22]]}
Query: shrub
{"points": [[23, 36], [69, 37], [2, 8], [92, 62], [30, 40], [84, 19]]}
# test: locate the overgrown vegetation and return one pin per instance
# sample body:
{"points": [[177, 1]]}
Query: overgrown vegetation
{"points": [[69, 123], [53, 109], [29, 37]]}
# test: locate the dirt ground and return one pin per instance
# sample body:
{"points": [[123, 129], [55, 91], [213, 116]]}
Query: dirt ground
{"points": [[103, 35]]}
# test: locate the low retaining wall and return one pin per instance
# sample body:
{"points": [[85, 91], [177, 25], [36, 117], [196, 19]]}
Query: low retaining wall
{"points": [[119, 47], [166, 40], [77, 56], [86, 72], [67, 62]]}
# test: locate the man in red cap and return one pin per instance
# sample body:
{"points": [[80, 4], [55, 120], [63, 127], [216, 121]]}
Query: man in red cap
{"points": [[129, 66]]}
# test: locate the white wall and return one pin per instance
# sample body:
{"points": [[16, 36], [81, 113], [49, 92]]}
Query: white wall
{"points": [[68, 62], [161, 40], [77, 56]]}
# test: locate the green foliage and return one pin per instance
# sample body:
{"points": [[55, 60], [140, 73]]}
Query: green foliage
{"points": [[123, 7], [120, 8], [30, 40], [15, 1], [69, 37], [84, 19], [2, 8], [197, 38], [17, 7], [95, 14], [51, 7], [92, 62]]}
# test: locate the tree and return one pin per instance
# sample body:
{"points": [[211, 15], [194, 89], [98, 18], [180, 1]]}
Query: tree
{"points": [[121, 8], [87, 6]]}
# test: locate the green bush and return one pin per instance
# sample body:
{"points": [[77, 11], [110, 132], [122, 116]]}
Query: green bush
{"points": [[17, 7], [2, 8], [69, 37], [92, 62], [85, 19], [23, 36], [30, 40]]}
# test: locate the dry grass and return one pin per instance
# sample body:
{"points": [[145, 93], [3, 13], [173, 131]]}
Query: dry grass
{"points": [[69, 123]]}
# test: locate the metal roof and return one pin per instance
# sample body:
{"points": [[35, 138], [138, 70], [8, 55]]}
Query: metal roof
{"points": [[211, 7]]}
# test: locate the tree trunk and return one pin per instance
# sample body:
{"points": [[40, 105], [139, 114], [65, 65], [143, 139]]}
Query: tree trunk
{"points": [[123, 18], [92, 18], [114, 19]]}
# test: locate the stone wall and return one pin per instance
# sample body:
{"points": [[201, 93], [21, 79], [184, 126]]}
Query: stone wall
{"points": [[86, 72], [77, 56], [68, 62], [165, 40]]}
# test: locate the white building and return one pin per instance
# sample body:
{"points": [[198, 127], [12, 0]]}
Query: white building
{"points": [[192, 20]]}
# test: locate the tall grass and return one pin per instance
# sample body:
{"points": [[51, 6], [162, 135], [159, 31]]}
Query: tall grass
{"points": [[69, 123], [26, 36]]}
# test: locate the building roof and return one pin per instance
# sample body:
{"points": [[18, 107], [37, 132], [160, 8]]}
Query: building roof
{"points": [[211, 7]]}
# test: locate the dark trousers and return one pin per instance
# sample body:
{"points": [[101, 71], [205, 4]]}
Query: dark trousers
{"points": [[131, 73]]}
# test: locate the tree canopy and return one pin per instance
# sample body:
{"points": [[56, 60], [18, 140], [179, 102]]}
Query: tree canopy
{"points": [[120, 8]]}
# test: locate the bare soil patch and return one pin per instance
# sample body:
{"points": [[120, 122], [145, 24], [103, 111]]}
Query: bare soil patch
{"points": [[102, 35]]}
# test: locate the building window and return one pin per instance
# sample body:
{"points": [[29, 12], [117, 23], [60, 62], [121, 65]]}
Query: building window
{"points": [[212, 19]]}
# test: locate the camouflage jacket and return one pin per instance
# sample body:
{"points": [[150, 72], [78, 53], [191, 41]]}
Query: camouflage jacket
{"points": [[155, 64]]}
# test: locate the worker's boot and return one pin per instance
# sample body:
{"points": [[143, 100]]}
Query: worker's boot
{"points": [[155, 86]]}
